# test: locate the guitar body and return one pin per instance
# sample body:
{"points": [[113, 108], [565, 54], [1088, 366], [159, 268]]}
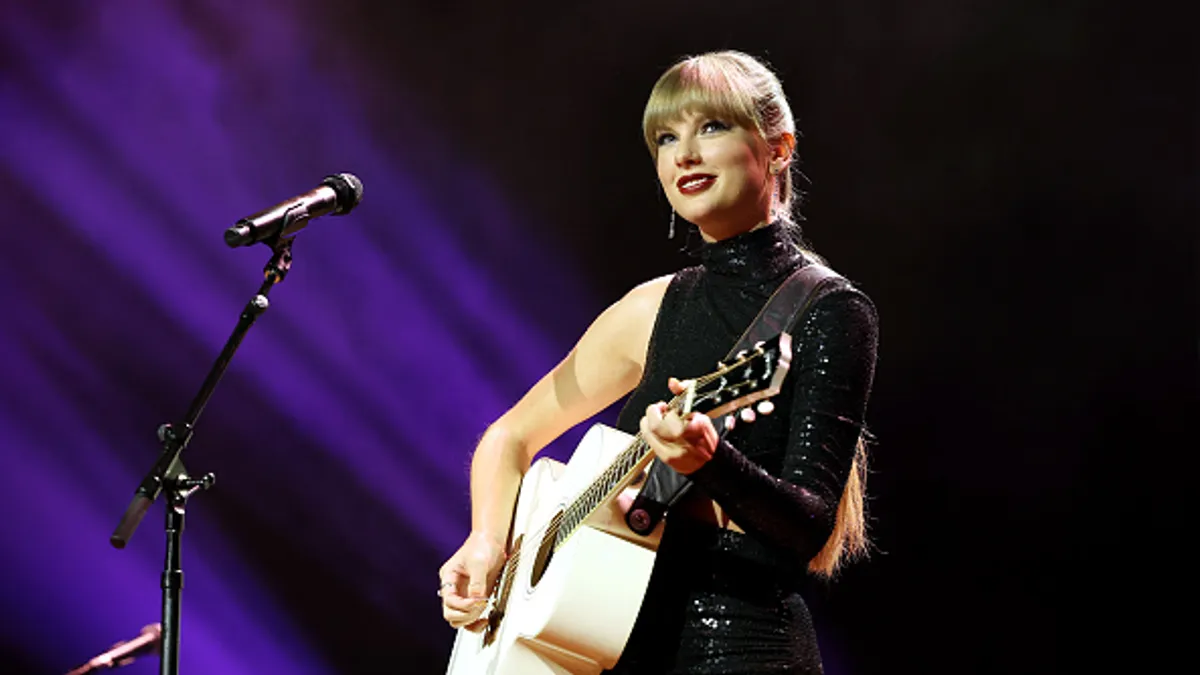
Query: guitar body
{"points": [[573, 613]]}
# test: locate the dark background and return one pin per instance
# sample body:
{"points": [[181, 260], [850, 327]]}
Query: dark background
{"points": [[1014, 184]]}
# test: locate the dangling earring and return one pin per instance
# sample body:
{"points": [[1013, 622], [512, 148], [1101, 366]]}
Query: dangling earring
{"points": [[671, 227]]}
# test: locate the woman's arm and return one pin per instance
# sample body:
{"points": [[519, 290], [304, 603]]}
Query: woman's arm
{"points": [[605, 364], [833, 366]]}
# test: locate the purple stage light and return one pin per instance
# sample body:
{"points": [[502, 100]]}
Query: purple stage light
{"points": [[135, 133]]}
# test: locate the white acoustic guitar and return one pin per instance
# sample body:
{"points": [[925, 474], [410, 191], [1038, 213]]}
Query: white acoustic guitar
{"points": [[567, 597]]}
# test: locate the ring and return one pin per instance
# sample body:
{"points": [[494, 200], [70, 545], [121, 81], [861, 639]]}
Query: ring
{"points": [[444, 586]]}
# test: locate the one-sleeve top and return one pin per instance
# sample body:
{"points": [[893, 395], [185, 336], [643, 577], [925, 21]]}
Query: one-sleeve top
{"points": [[781, 477]]}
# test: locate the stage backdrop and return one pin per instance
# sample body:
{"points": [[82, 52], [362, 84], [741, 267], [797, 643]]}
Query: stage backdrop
{"points": [[1008, 180]]}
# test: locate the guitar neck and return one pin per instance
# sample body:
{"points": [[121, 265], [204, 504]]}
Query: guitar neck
{"points": [[612, 480], [619, 474], [755, 375]]}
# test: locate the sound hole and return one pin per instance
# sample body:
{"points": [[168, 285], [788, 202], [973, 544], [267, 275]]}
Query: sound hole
{"points": [[544, 553]]}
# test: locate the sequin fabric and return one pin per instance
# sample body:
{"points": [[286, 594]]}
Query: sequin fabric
{"points": [[721, 602]]}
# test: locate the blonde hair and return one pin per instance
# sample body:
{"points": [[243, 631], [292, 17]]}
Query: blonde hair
{"points": [[849, 539], [739, 88], [730, 85]]}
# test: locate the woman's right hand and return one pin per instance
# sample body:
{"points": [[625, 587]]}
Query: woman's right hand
{"points": [[467, 579]]}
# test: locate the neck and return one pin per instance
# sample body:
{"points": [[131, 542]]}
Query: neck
{"points": [[752, 257]]}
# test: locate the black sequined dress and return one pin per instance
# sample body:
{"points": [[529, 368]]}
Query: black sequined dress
{"points": [[720, 601]]}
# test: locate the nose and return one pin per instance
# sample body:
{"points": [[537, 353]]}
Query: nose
{"points": [[686, 152]]}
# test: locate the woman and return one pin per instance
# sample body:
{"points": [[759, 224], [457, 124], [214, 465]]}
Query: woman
{"points": [[770, 499]]}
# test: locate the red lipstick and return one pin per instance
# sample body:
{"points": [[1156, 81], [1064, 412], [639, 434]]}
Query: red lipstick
{"points": [[694, 183]]}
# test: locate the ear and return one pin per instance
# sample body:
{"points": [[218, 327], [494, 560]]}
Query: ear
{"points": [[781, 152]]}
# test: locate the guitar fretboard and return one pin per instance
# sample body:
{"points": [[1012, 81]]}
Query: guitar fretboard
{"points": [[707, 391], [605, 484]]}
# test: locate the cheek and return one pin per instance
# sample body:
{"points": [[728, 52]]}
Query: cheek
{"points": [[663, 166], [734, 157], [739, 172], [752, 167]]}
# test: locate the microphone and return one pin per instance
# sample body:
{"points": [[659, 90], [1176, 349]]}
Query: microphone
{"points": [[337, 195], [123, 653]]}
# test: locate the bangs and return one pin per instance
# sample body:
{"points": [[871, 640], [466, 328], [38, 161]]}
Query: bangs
{"points": [[702, 86]]}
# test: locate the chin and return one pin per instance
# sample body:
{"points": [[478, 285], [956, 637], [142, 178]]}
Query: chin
{"points": [[711, 221], [701, 217]]}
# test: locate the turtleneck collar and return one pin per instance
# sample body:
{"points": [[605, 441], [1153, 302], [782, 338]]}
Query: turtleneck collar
{"points": [[757, 255]]}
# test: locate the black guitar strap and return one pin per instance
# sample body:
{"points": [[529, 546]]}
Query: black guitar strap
{"points": [[664, 486]]}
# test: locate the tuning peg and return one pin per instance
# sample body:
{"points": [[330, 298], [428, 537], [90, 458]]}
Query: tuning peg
{"points": [[730, 422], [747, 415], [766, 407]]}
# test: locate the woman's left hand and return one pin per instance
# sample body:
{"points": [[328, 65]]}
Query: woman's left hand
{"points": [[683, 443]]}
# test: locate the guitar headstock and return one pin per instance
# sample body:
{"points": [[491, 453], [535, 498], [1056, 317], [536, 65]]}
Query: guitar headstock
{"points": [[753, 375]]}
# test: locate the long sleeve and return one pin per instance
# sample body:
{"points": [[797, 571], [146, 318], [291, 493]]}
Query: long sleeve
{"points": [[832, 369]]}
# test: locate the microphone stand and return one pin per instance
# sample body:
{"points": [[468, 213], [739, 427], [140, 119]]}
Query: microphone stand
{"points": [[168, 473]]}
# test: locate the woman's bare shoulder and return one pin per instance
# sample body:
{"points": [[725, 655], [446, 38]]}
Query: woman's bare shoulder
{"points": [[648, 295], [639, 307], [630, 320]]}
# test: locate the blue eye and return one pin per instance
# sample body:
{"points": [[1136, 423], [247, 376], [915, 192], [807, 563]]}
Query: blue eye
{"points": [[664, 138], [714, 125]]}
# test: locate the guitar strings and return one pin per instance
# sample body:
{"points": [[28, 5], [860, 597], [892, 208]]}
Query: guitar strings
{"points": [[637, 446]]}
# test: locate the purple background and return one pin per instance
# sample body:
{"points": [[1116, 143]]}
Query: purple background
{"points": [[1013, 183]]}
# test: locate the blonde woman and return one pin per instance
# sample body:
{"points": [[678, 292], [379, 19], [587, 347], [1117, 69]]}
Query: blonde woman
{"points": [[772, 500]]}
